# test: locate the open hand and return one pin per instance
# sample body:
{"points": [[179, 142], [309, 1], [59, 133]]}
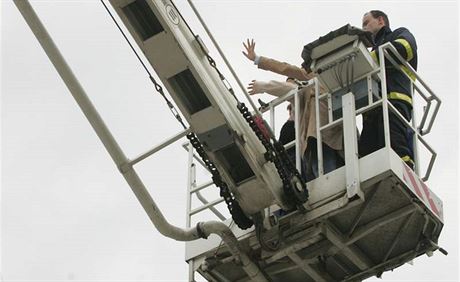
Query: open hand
{"points": [[254, 88], [250, 46]]}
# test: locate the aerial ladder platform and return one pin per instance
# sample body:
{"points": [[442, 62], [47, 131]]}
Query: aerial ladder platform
{"points": [[371, 215]]}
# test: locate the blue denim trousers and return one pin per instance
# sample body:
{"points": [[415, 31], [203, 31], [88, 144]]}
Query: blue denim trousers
{"points": [[331, 160]]}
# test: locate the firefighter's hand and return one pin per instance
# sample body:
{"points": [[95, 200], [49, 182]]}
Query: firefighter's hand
{"points": [[250, 46], [254, 88]]}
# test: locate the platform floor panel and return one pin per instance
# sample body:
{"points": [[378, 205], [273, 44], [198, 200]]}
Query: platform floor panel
{"points": [[342, 239]]}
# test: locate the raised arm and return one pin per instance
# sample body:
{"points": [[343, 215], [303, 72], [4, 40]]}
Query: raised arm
{"points": [[284, 68], [274, 65], [272, 87]]}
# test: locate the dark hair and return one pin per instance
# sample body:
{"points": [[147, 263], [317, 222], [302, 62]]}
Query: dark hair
{"points": [[376, 13]]}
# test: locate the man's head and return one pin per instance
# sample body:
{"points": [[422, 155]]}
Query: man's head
{"points": [[374, 20]]}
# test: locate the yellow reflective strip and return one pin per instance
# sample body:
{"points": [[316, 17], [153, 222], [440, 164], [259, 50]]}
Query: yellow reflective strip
{"points": [[407, 159], [406, 45], [400, 96], [374, 56], [408, 72]]}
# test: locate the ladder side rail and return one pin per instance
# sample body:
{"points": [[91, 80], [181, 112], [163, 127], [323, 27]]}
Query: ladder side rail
{"points": [[432, 159], [196, 157], [193, 188], [435, 113], [389, 47], [418, 136], [418, 132], [191, 182], [414, 136], [384, 91], [426, 109], [425, 115]]}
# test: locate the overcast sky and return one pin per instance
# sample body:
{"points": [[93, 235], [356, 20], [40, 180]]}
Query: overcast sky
{"points": [[67, 214]]}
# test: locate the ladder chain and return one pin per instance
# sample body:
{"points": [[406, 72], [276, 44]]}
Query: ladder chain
{"points": [[233, 206], [171, 107], [212, 63], [277, 153], [296, 195]]}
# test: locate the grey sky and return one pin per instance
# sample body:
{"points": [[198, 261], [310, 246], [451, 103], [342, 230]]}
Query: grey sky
{"points": [[67, 214]]}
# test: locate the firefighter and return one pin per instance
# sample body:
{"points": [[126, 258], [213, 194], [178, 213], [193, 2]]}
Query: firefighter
{"points": [[398, 89]]}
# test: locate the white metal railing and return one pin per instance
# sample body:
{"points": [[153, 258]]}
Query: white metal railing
{"points": [[194, 189], [419, 130], [430, 111]]}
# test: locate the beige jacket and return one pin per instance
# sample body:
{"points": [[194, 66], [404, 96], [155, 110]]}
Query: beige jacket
{"points": [[331, 137]]}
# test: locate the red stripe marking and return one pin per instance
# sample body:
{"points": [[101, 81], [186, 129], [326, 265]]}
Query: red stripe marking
{"points": [[425, 190], [430, 200], [414, 183]]}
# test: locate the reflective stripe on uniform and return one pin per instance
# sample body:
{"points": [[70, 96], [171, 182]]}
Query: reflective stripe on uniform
{"points": [[403, 67], [408, 72], [407, 46], [407, 159], [400, 96], [374, 56]]}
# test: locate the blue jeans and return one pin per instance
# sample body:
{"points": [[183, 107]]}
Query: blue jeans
{"points": [[331, 160]]}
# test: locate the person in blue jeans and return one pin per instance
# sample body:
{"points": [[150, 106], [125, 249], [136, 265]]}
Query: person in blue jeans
{"points": [[332, 138], [331, 160]]}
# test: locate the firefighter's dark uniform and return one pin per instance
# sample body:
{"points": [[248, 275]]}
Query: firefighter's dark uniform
{"points": [[399, 94]]}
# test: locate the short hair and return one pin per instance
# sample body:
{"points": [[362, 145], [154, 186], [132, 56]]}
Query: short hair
{"points": [[377, 13]]}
